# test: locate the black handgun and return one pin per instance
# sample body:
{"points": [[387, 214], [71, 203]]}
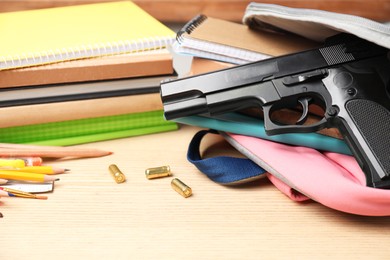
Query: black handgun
{"points": [[348, 77]]}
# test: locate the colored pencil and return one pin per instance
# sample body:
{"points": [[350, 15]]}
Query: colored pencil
{"points": [[29, 161], [12, 163], [52, 153], [7, 192], [24, 150], [44, 169], [26, 176], [36, 169], [33, 147]]}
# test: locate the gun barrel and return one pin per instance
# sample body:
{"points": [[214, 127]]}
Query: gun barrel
{"points": [[185, 108]]}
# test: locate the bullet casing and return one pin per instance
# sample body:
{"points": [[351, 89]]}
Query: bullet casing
{"points": [[119, 177], [158, 172], [181, 188]]}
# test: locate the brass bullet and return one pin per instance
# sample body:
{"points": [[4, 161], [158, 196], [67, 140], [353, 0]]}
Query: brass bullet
{"points": [[119, 177], [158, 172], [181, 188]]}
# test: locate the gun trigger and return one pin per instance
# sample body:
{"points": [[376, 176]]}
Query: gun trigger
{"points": [[305, 113]]}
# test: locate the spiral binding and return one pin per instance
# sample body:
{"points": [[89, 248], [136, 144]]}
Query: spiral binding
{"points": [[85, 51], [190, 26]]}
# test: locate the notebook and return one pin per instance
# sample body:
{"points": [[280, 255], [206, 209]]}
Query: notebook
{"points": [[78, 109], [64, 33], [79, 91], [148, 63], [87, 130], [235, 43], [201, 65]]}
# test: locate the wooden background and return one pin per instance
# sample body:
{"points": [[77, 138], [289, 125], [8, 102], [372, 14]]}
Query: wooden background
{"points": [[89, 216], [184, 10]]}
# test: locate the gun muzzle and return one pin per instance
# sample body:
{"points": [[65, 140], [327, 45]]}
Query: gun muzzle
{"points": [[184, 108]]}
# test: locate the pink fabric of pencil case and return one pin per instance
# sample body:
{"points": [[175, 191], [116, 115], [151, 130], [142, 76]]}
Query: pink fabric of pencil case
{"points": [[332, 179]]}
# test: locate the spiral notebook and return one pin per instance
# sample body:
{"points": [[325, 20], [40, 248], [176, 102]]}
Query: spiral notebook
{"points": [[236, 43], [50, 35]]}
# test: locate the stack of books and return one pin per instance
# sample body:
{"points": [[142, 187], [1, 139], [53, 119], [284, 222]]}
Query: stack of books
{"points": [[95, 68], [230, 42]]}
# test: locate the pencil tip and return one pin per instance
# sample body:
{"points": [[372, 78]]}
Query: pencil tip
{"points": [[57, 179], [66, 170]]}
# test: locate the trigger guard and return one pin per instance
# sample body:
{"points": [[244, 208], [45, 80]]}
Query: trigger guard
{"points": [[270, 127], [273, 129]]}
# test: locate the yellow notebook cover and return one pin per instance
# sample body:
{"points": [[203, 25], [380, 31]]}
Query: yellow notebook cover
{"points": [[64, 33]]}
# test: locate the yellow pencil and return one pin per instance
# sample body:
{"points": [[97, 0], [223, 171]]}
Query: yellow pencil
{"points": [[26, 176], [41, 169], [12, 162]]}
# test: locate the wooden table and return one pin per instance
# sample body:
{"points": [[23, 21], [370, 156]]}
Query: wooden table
{"points": [[89, 216]]}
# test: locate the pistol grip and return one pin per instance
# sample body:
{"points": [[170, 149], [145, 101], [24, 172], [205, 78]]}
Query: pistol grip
{"points": [[369, 139]]}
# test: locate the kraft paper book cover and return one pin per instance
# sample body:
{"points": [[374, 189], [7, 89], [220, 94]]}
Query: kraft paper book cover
{"points": [[65, 33], [78, 109], [140, 64]]}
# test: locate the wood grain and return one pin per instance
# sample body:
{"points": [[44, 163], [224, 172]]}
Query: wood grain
{"points": [[89, 216], [184, 10]]}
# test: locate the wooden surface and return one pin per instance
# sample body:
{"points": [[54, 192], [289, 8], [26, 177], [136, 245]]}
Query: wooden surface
{"points": [[89, 216], [184, 10]]}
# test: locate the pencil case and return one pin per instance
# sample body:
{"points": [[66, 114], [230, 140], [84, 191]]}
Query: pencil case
{"points": [[332, 179], [247, 125], [314, 24]]}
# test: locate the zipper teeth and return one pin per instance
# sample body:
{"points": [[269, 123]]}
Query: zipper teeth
{"points": [[315, 14]]}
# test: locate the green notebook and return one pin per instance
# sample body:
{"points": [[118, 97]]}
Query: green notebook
{"points": [[88, 130]]}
